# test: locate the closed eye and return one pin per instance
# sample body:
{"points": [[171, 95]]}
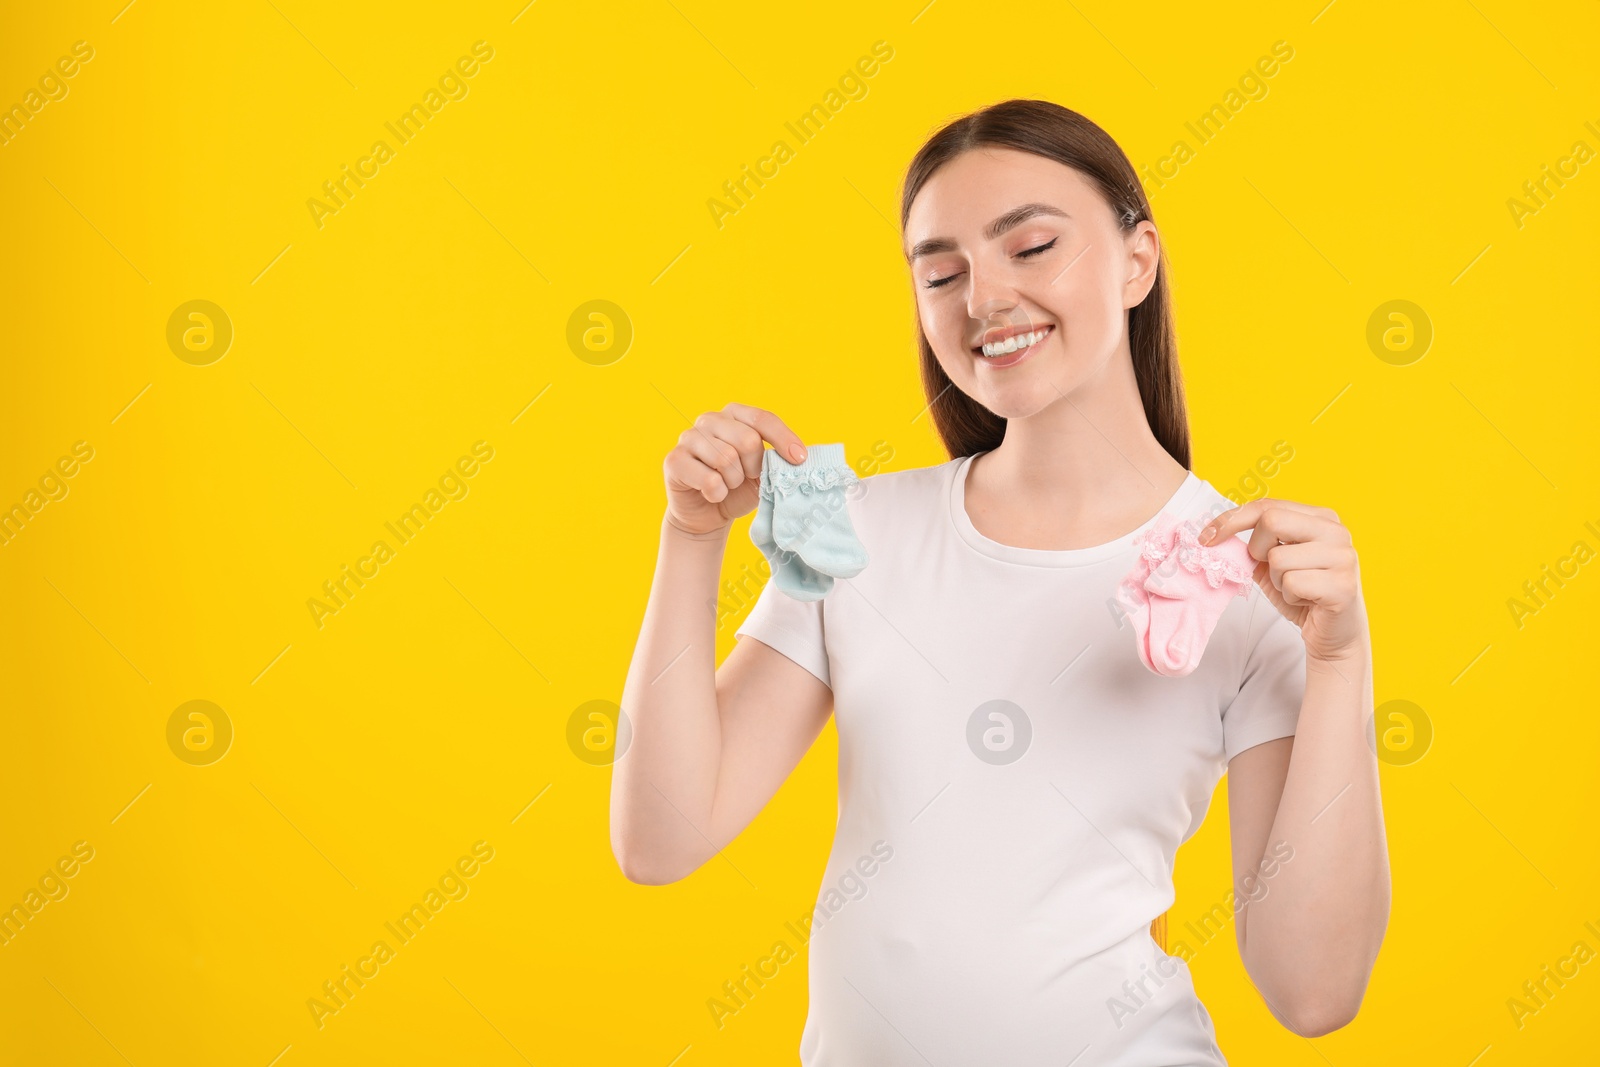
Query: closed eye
{"points": [[1020, 255]]}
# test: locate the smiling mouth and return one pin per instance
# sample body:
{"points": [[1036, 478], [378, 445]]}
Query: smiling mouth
{"points": [[1014, 344]]}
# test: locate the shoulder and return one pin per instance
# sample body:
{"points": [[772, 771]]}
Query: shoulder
{"points": [[1206, 502], [885, 502], [894, 489], [908, 480]]}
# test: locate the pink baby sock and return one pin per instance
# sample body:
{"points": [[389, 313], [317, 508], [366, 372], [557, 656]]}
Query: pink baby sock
{"points": [[1177, 591], [1154, 545]]}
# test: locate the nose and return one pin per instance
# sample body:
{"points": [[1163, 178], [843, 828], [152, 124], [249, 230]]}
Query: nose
{"points": [[989, 294], [996, 311]]}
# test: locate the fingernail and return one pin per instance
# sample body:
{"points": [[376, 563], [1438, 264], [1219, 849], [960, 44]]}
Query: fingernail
{"points": [[798, 452], [1207, 534]]}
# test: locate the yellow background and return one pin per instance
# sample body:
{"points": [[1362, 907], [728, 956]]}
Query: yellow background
{"points": [[433, 309]]}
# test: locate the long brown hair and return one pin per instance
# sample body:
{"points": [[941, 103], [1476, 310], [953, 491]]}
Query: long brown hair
{"points": [[965, 426]]}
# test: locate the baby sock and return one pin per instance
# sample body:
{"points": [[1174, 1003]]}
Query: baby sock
{"points": [[1131, 594], [793, 576], [1177, 591], [810, 516]]}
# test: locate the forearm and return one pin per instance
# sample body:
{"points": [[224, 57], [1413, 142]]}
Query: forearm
{"points": [[663, 786], [1310, 942]]}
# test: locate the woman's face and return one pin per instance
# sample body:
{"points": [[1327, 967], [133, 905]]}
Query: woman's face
{"points": [[986, 271]]}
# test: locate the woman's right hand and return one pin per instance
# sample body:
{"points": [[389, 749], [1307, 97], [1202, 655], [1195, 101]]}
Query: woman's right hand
{"points": [[714, 474]]}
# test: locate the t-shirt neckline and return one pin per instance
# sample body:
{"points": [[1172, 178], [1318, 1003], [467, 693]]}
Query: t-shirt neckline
{"points": [[1049, 557]]}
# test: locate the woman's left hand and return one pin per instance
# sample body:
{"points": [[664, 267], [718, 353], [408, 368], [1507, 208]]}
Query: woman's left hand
{"points": [[1307, 567]]}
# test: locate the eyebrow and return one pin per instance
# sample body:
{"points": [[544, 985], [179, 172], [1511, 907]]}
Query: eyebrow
{"points": [[1015, 217]]}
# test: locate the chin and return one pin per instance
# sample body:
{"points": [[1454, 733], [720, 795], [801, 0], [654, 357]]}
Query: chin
{"points": [[1011, 401], [1018, 392], [1016, 407]]}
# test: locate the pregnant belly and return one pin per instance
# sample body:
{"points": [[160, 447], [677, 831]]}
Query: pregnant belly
{"points": [[886, 989]]}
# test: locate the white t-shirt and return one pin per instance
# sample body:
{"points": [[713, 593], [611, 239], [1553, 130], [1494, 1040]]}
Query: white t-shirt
{"points": [[1013, 787]]}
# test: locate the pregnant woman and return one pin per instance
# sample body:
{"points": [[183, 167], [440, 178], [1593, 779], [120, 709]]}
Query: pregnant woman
{"points": [[1015, 777]]}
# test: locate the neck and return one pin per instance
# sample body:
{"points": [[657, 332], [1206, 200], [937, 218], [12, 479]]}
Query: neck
{"points": [[1089, 447]]}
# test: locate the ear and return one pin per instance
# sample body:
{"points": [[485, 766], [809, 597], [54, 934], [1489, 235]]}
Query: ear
{"points": [[1144, 256]]}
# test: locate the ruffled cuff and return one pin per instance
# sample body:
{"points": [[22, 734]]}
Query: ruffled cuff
{"points": [[823, 468], [1227, 561]]}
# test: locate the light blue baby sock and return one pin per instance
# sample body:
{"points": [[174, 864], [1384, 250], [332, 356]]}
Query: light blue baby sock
{"points": [[793, 576], [810, 516]]}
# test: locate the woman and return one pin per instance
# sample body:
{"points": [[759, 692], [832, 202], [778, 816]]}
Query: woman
{"points": [[1007, 914]]}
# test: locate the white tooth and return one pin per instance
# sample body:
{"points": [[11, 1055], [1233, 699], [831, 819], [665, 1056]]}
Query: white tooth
{"points": [[1012, 344]]}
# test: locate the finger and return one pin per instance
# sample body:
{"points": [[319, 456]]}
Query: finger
{"points": [[1245, 516], [1311, 587], [771, 428], [1249, 515], [721, 444], [743, 438], [1284, 560], [1281, 526], [684, 470]]}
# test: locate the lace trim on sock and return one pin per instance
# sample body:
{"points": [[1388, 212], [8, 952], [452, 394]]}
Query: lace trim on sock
{"points": [[1192, 556], [786, 482]]}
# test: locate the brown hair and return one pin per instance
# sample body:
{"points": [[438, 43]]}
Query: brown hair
{"points": [[965, 426]]}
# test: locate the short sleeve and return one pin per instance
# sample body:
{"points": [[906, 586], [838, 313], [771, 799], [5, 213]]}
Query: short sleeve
{"points": [[1272, 684], [793, 627]]}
